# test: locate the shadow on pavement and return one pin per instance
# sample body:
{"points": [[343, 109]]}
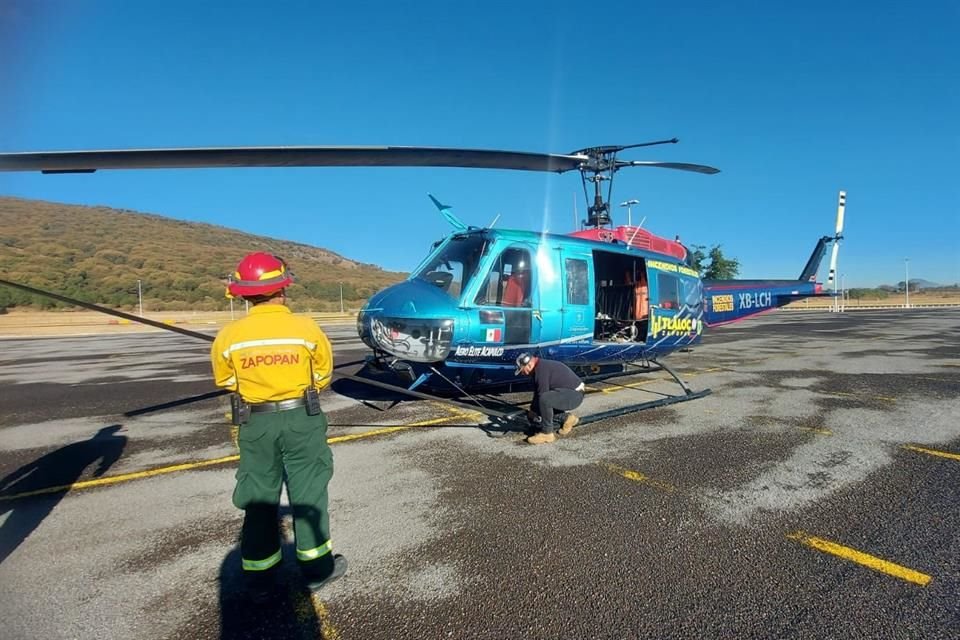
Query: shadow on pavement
{"points": [[175, 403], [291, 612], [51, 477]]}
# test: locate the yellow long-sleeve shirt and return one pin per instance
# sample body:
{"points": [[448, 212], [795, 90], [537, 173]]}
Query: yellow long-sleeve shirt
{"points": [[267, 355]]}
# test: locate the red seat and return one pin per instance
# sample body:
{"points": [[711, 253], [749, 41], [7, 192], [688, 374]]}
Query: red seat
{"points": [[515, 290], [641, 303]]}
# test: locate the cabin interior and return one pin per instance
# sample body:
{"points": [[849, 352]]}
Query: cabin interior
{"points": [[622, 298]]}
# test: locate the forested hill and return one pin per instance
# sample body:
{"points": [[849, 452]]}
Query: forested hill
{"points": [[97, 254]]}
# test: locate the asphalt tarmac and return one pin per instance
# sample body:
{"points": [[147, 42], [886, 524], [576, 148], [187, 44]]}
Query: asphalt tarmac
{"points": [[813, 494]]}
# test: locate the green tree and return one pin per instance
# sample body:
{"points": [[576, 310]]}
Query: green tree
{"points": [[720, 267], [697, 257]]}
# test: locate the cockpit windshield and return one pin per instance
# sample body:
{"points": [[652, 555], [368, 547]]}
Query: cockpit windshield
{"points": [[455, 264]]}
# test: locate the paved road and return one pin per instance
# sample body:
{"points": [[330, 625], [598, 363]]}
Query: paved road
{"points": [[812, 495]]}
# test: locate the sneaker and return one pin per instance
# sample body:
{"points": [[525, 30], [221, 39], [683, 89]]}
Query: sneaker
{"points": [[544, 437], [569, 422], [339, 568]]}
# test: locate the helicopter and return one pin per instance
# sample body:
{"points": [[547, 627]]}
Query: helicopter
{"points": [[604, 299]]}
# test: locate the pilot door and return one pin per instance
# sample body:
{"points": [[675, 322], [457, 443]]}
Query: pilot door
{"points": [[507, 299], [577, 305]]}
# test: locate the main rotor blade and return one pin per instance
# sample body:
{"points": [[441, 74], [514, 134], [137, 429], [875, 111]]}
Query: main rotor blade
{"points": [[617, 148], [228, 157], [683, 166], [108, 311], [234, 157]]}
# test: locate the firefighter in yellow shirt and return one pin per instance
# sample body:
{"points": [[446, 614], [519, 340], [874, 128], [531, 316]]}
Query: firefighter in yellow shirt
{"points": [[276, 363]]}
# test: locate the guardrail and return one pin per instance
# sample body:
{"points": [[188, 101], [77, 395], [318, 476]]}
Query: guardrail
{"points": [[866, 307]]}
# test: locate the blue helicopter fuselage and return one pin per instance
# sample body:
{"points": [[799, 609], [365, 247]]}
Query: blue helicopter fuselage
{"points": [[483, 296]]}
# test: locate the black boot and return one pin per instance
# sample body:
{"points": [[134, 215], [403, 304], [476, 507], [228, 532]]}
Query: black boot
{"points": [[316, 582]]}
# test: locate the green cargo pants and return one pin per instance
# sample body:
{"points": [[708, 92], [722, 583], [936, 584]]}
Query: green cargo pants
{"points": [[294, 445]]}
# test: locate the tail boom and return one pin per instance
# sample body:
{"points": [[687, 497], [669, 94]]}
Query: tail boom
{"points": [[734, 300]]}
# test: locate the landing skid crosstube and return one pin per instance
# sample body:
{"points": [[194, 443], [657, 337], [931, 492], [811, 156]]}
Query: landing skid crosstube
{"points": [[501, 427]]}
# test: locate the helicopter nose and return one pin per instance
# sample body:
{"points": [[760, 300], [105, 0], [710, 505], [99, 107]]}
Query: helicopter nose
{"points": [[411, 320]]}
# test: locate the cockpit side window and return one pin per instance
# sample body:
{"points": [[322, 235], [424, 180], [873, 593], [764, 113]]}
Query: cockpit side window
{"points": [[509, 281], [453, 266]]}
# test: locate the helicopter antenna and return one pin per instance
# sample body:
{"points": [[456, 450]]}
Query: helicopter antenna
{"points": [[491, 225], [635, 231]]}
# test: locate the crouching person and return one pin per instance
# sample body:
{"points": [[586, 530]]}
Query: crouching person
{"points": [[557, 390]]}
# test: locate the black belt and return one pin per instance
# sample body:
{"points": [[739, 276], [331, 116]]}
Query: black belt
{"points": [[273, 407]]}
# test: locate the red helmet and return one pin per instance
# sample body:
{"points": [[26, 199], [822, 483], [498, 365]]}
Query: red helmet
{"points": [[259, 274]]}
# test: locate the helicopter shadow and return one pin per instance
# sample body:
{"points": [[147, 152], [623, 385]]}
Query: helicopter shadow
{"points": [[508, 426], [172, 404], [50, 477], [290, 611], [369, 394]]}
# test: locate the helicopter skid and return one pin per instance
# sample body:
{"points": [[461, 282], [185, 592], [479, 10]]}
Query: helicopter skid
{"points": [[500, 427], [640, 406]]}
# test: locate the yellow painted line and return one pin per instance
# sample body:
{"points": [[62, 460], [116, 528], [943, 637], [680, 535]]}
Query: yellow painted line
{"points": [[386, 430], [456, 411], [823, 432], [100, 482], [187, 466], [710, 370], [621, 387], [303, 608], [859, 557], [933, 452], [308, 608], [323, 615], [636, 476], [855, 395], [635, 385]]}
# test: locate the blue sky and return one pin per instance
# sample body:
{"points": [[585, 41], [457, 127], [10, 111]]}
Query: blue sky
{"points": [[792, 101]]}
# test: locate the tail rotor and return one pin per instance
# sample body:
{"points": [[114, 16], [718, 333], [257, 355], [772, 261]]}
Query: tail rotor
{"points": [[838, 236]]}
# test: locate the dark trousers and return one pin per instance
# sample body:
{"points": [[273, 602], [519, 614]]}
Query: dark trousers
{"points": [[272, 445], [556, 400]]}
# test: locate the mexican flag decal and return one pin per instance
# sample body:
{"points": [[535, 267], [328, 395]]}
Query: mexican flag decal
{"points": [[494, 335]]}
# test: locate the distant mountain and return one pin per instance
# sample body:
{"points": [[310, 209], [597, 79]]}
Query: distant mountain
{"points": [[920, 283], [916, 284], [98, 254]]}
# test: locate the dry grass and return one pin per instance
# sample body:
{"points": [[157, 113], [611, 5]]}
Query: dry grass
{"points": [[61, 323], [891, 301]]}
